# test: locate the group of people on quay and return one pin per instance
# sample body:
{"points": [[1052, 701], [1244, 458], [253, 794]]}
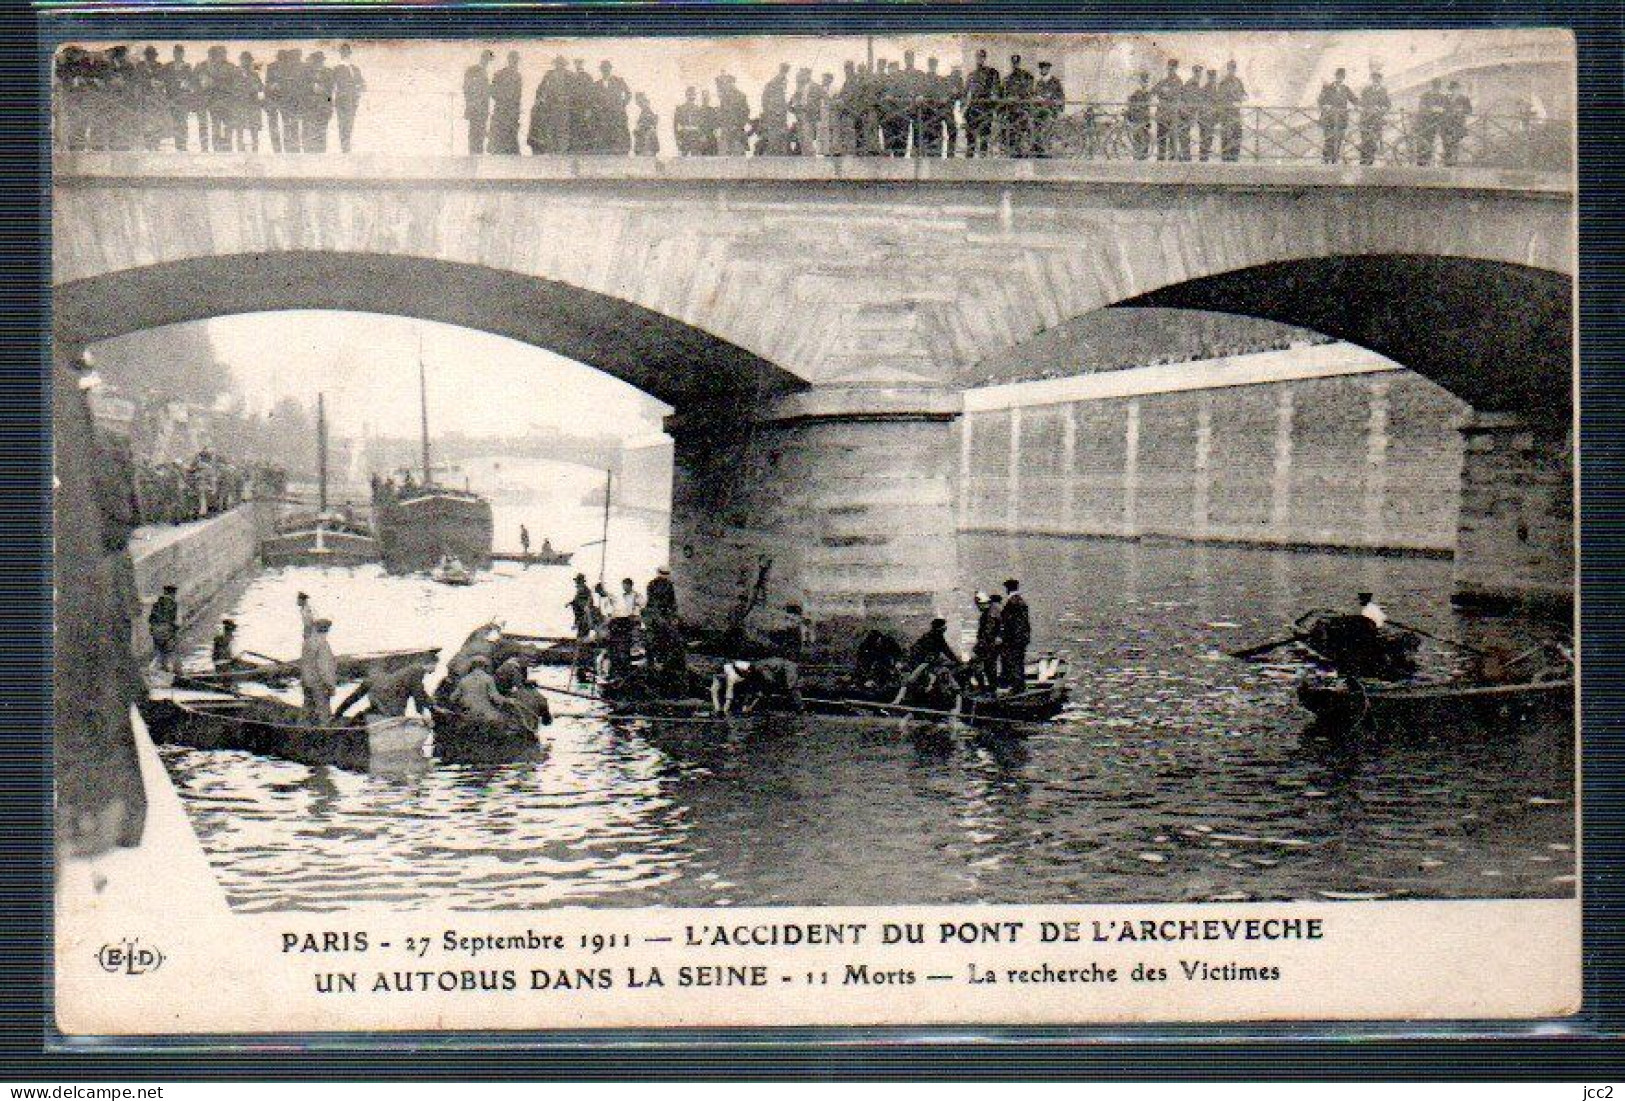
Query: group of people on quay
{"points": [[112, 100], [180, 492]]}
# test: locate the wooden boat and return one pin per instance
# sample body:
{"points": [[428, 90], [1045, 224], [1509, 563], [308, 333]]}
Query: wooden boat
{"points": [[420, 525], [1352, 644], [322, 537], [322, 540], [278, 673], [1039, 703], [460, 741], [266, 727], [452, 573], [1345, 704]]}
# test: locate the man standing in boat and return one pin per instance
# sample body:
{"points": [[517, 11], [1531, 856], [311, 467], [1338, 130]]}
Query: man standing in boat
{"points": [[164, 625], [624, 609], [663, 636], [318, 666], [984, 660], [584, 608], [1015, 634], [223, 652], [524, 540]]}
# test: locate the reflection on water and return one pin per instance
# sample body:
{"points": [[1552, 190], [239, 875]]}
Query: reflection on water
{"points": [[1178, 775]]}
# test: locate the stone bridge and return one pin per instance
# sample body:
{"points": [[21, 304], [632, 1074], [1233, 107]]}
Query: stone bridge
{"points": [[815, 321]]}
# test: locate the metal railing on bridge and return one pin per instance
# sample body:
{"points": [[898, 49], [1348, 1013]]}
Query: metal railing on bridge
{"points": [[999, 128]]}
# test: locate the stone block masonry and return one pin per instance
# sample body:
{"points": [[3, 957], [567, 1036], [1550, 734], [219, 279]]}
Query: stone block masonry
{"points": [[201, 559], [1328, 446], [1517, 515]]}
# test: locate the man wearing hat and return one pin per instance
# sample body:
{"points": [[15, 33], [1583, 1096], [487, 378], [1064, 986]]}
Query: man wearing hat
{"points": [[1015, 633], [984, 661], [318, 666], [663, 636], [224, 653], [661, 598], [164, 625], [1051, 103], [583, 607]]}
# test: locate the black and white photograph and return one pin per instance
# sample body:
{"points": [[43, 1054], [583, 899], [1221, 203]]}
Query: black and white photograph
{"points": [[582, 476]]}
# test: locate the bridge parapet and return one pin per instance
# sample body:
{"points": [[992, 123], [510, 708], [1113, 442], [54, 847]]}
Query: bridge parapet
{"points": [[250, 170]]}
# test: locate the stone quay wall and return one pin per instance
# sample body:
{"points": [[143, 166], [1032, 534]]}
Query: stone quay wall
{"points": [[201, 559], [1328, 446]]}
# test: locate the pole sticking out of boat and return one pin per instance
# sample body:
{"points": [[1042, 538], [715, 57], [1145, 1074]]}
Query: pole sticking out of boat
{"points": [[423, 408], [321, 455], [603, 546]]}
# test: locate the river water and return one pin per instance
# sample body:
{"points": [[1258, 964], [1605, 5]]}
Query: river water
{"points": [[1178, 775]]}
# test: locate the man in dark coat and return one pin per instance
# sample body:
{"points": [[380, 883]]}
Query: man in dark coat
{"points": [[348, 84], [685, 124], [1137, 116], [1051, 105], [1229, 96], [1374, 108], [281, 119], [984, 662], [613, 97], [982, 91], [477, 101], [929, 659], [773, 124], [180, 95], [1453, 123], [507, 96], [1019, 105], [246, 108], [216, 81], [1015, 634], [550, 111], [318, 102], [1169, 93], [1335, 100], [164, 625], [1430, 110]]}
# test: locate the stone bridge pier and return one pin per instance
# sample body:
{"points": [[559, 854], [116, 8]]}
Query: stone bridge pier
{"points": [[840, 500]]}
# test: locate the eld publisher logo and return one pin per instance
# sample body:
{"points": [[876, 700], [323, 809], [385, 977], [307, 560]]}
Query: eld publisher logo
{"points": [[129, 957]]}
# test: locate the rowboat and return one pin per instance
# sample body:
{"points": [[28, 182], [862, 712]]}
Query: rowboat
{"points": [[1354, 645], [1039, 703], [265, 727], [452, 573], [1345, 704], [460, 741], [253, 670]]}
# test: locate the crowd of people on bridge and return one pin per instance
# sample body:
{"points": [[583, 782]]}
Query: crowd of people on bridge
{"points": [[885, 108], [110, 100]]}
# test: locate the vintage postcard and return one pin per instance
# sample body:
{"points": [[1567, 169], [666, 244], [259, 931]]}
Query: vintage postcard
{"points": [[961, 529]]}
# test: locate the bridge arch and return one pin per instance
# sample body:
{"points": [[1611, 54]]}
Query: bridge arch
{"points": [[670, 360], [1498, 335]]}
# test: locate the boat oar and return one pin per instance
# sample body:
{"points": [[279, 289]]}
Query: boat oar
{"points": [[1263, 648], [1446, 641], [572, 692]]}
